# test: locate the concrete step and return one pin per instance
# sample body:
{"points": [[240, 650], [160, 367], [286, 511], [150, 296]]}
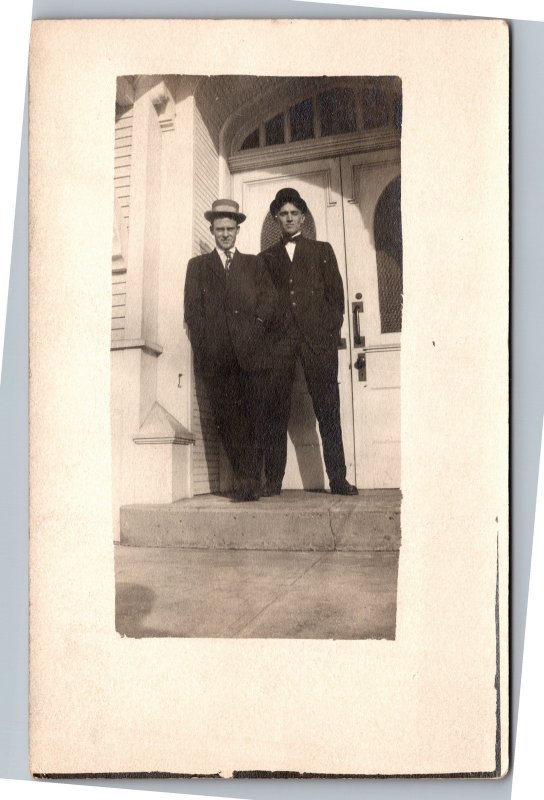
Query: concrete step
{"points": [[295, 520]]}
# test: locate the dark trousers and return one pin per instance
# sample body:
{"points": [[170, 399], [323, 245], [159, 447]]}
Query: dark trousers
{"points": [[237, 399], [321, 373]]}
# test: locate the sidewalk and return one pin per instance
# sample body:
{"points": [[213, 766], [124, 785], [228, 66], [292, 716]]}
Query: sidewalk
{"points": [[255, 594]]}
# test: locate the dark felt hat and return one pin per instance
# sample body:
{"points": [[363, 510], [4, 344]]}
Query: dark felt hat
{"points": [[225, 208], [287, 196]]}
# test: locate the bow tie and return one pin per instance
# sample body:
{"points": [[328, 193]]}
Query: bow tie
{"points": [[294, 239]]}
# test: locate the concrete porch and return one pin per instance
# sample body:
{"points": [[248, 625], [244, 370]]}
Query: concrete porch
{"points": [[294, 520]]}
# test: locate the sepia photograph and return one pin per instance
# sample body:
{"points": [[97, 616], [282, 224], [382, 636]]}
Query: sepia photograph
{"points": [[256, 325], [268, 398]]}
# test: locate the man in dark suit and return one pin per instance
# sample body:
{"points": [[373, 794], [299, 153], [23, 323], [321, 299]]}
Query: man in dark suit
{"points": [[229, 302], [309, 317]]}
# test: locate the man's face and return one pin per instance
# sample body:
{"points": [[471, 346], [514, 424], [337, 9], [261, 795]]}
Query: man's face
{"points": [[290, 218], [224, 231]]}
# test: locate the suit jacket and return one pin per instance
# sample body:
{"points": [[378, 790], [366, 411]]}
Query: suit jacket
{"points": [[310, 295], [228, 317]]}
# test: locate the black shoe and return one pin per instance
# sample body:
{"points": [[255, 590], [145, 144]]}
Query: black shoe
{"points": [[344, 488]]}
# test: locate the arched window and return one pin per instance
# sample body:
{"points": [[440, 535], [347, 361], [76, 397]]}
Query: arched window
{"points": [[369, 104]]}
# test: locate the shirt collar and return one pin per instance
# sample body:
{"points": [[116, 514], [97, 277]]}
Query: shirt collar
{"points": [[222, 254]]}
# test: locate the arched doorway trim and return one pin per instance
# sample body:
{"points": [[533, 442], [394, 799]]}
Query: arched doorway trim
{"points": [[257, 111]]}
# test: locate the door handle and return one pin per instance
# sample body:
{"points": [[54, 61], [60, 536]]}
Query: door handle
{"points": [[360, 366], [356, 308]]}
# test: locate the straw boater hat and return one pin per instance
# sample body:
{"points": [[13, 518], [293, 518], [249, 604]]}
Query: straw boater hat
{"points": [[288, 196], [225, 208]]}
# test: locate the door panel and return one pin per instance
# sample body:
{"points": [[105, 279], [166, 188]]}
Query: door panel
{"points": [[371, 201], [319, 184]]}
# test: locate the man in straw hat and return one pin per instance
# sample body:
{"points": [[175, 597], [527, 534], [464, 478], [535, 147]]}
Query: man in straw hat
{"points": [[229, 302], [311, 309]]}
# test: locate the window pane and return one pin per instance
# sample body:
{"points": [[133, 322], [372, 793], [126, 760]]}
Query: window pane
{"points": [[375, 111], [251, 141], [274, 131], [301, 118], [337, 112], [388, 240]]}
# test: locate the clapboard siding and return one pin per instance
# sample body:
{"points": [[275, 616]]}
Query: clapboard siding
{"points": [[118, 306], [121, 187], [206, 183], [123, 158], [205, 190]]}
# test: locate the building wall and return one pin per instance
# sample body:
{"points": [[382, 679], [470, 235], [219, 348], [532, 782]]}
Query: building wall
{"points": [[152, 241]]}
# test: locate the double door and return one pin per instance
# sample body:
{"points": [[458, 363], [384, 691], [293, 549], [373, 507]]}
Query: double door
{"points": [[354, 203]]}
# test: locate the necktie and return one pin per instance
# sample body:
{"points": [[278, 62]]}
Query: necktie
{"points": [[228, 260], [293, 239]]}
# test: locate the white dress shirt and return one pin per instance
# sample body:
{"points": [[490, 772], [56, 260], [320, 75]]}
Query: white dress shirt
{"points": [[290, 247], [223, 255]]}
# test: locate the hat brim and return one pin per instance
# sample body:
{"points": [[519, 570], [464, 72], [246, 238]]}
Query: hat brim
{"points": [[211, 215]]}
